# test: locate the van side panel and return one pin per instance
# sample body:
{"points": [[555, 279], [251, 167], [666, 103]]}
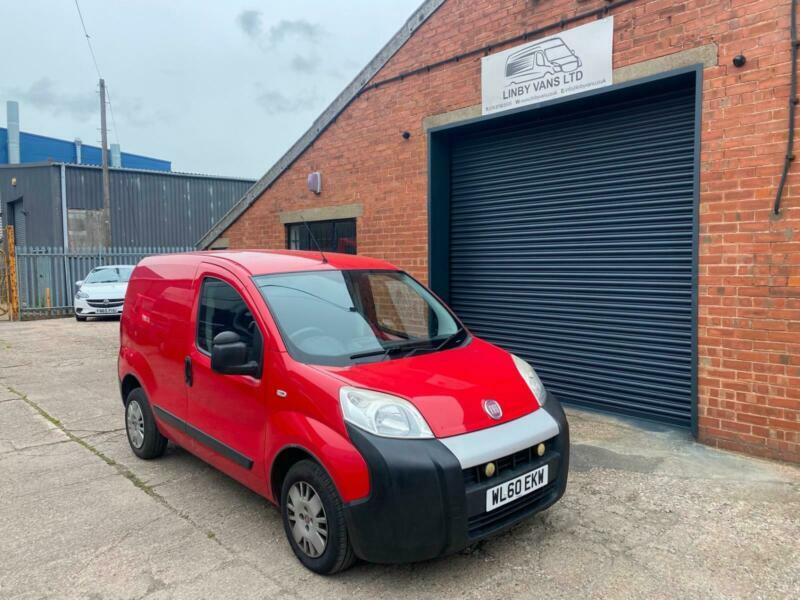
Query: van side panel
{"points": [[156, 332]]}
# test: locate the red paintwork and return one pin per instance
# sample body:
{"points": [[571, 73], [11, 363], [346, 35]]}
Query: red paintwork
{"points": [[247, 414], [448, 387]]}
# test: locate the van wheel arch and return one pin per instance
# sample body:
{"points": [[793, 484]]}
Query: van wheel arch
{"points": [[128, 384], [284, 460]]}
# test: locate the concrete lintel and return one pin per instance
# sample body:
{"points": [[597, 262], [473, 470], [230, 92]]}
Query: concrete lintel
{"points": [[323, 213], [705, 55], [454, 116]]}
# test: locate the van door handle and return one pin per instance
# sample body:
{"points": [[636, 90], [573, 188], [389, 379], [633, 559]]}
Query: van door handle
{"points": [[187, 371]]}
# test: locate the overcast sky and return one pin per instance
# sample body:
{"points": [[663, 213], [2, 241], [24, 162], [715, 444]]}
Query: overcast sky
{"points": [[216, 87]]}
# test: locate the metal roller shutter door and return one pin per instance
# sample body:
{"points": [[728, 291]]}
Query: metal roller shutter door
{"points": [[572, 245]]}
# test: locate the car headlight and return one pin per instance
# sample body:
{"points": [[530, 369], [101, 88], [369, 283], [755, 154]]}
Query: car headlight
{"points": [[81, 295], [382, 414], [531, 378]]}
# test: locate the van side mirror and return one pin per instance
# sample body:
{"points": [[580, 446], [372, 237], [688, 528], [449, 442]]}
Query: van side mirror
{"points": [[229, 356], [79, 283]]}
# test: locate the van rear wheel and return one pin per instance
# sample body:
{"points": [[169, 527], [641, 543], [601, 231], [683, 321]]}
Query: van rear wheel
{"points": [[313, 519], [144, 437]]}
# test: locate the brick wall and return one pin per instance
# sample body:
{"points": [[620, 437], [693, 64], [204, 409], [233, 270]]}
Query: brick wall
{"points": [[749, 286]]}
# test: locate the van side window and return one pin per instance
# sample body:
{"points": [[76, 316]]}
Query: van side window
{"points": [[222, 309]]}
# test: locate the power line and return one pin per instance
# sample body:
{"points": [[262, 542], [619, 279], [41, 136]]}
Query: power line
{"points": [[97, 68], [88, 40]]}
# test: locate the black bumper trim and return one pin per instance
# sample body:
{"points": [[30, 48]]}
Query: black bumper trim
{"points": [[419, 506]]}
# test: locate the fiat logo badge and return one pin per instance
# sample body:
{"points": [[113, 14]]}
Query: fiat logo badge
{"points": [[493, 409]]}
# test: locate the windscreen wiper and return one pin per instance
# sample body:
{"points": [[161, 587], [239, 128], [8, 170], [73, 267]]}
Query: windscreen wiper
{"points": [[380, 352], [450, 338], [412, 348]]}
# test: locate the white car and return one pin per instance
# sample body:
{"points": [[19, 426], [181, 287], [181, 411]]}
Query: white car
{"points": [[102, 293]]}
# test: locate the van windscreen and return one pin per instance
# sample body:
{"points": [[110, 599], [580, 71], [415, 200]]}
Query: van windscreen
{"points": [[343, 317], [109, 275]]}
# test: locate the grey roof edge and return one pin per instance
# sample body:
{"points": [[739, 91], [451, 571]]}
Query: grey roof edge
{"points": [[52, 163], [322, 122], [29, 165]]}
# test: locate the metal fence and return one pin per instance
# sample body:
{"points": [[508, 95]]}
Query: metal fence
{"points": [[46, 276]]}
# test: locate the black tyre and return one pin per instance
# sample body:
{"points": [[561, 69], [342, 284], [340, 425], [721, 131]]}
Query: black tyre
{"points": [[79, 318], [144, 437], [313, 519]]}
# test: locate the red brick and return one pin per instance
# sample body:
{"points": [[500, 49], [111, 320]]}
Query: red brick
{"points": [[749, 261]]}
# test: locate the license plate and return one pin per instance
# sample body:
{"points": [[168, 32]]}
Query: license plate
{"points": [[105, 311], [516, 488]]}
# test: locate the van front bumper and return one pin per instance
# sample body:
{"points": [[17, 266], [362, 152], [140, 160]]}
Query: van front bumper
{"points": [[428, 499], [97, 308]]}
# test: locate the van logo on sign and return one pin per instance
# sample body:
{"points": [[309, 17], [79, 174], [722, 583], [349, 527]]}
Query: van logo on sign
{"points": [[540, 66], [492, 408]]}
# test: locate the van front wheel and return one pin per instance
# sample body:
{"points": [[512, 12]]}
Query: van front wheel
{"points": [[144, 437], [313, 519]]}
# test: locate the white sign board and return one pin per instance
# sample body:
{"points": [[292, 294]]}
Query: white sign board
{"points": [[569, 62]]}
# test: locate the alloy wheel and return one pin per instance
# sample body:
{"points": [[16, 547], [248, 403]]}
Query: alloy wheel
{"points": [[307, 519], [135, 424]]}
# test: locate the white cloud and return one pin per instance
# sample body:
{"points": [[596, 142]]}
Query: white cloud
{"points": [[275, 102], [250, 22], [43, 95]]}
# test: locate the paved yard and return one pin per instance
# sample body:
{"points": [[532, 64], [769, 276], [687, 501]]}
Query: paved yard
{"points": [[647, 513]]}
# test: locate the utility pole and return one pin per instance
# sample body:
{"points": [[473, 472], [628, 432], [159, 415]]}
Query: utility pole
{"points": [[104, 160]]}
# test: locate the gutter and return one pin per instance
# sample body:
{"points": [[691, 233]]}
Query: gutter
{"points": [[65, 230]]}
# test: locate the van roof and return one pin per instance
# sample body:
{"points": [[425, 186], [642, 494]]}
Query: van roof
{"points": [[99, 267], [264, 262]]}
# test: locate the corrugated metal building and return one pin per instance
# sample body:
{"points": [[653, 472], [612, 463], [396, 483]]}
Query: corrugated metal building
{"points": [[58, 204]]}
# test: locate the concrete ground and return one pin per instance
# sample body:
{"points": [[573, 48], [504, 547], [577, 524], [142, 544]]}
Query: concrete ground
{"points": [[648, 513]]}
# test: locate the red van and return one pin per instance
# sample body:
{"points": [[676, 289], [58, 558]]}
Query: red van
{"points": [[342, 390]]}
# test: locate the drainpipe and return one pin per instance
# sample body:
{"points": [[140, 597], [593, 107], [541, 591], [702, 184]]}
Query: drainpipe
{"points": [[12, 112], [787, 162], [116, 156], [65, 236]]}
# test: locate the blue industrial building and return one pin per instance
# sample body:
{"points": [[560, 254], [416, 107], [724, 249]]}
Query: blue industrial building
{"points": [[33, 148], [39, 148]]}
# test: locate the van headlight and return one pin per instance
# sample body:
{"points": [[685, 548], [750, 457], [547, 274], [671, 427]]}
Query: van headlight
{"points": [[382, 414], [81, 295], [531, 378]]}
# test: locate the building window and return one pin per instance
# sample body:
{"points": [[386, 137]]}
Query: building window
{"points": [[332, 236]]}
